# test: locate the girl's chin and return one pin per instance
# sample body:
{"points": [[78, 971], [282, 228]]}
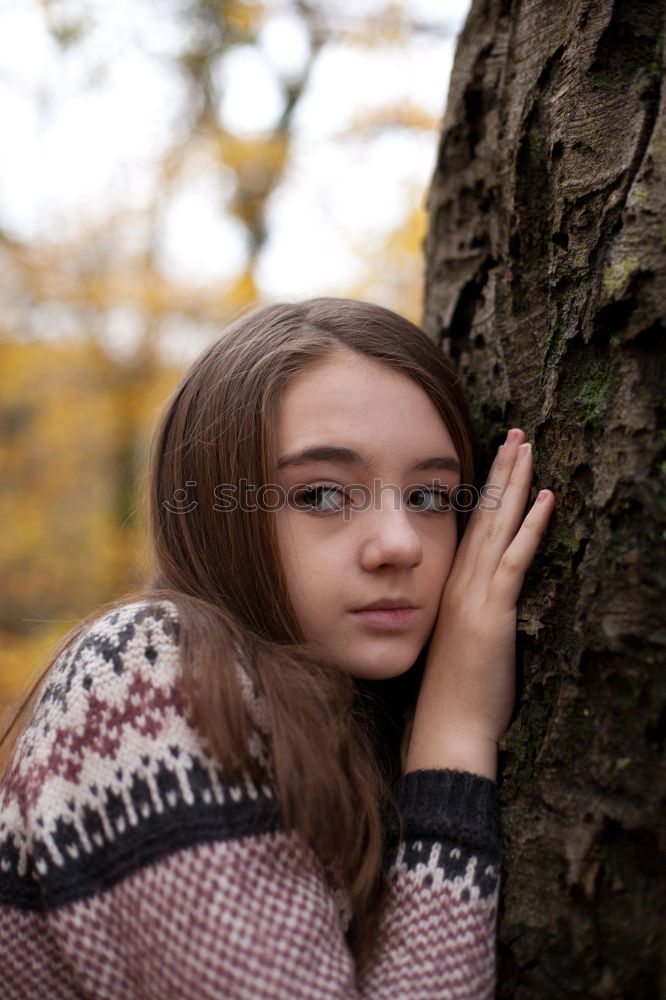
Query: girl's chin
{"points": [[379, 659], [379, 671]]}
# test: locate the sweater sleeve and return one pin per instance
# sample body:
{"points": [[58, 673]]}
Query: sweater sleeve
{"points": [[438, 935], [131, 869]]}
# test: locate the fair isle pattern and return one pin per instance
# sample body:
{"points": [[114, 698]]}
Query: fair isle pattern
{"points": [[475, 874], [132, 869], [109, 773], [435, 933]]}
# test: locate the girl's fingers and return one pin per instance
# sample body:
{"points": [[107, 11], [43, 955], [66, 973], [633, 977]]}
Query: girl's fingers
{"points": [[491, 530], [510, 573], [498, 477], [508, 518]]}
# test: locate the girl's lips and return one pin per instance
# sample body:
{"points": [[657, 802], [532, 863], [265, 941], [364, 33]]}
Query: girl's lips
{"points": [[390, 619]]}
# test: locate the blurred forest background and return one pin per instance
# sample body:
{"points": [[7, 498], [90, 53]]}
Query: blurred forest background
{"points": [[167, 164]]}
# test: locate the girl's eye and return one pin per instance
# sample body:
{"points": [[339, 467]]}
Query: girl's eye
{"points": [[433, 500], [324, 498]]}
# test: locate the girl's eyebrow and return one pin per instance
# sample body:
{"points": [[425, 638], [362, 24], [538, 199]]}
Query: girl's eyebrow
{"points": [[347, 456]]}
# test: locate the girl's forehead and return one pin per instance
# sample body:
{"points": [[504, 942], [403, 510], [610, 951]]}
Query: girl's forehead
{"points": [[346, 374], [359, 399]]}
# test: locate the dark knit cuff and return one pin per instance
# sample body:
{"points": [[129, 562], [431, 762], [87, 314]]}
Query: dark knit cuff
{"points": [[445, 804]]}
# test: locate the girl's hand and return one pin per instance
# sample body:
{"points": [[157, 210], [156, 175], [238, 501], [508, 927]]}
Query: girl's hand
{"points": [[468, 688]]}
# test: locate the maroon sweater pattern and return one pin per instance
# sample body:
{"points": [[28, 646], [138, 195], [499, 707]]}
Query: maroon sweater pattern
{"points": [[132, 868]]}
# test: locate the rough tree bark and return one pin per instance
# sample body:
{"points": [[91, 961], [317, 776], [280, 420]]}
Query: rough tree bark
{"points": [[546, 283]]}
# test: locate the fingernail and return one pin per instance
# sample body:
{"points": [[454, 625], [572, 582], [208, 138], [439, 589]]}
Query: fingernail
{"points": [[543, 495], [512, 436], [524, 450]]}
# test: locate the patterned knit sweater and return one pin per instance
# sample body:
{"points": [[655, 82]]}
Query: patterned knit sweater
{"points": [[131, 868]]}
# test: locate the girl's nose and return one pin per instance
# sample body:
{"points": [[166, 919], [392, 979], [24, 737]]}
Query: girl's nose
{"points": [[389, 539]]}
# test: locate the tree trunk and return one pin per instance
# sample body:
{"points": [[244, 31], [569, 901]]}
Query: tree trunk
{"points": [[546, 283]]}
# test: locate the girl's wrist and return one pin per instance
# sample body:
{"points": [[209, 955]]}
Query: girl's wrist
{"points": [[446, 751]]}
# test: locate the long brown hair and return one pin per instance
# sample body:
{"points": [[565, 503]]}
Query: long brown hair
{"points": [[333, 739]]}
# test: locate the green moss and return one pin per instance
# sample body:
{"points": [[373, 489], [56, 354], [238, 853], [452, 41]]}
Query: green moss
{"points": [[535, 144], [655, 66], [610, 80], [640, 196], [543, 267], [594, 392], [521, 743], [616, 276], [556, 335], [560, 549], [530, 141], [523, 747], [525, 737], [619, 765], [596, 641], [488, 422]]}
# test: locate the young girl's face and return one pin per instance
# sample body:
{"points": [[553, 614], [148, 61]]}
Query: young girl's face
{"points": [[366, 461]]}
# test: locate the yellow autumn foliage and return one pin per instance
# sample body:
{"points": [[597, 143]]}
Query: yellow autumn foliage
{"points": [[73, 522]]}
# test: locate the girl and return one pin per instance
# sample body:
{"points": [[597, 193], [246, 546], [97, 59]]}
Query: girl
{"points": [[272, 774]]}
